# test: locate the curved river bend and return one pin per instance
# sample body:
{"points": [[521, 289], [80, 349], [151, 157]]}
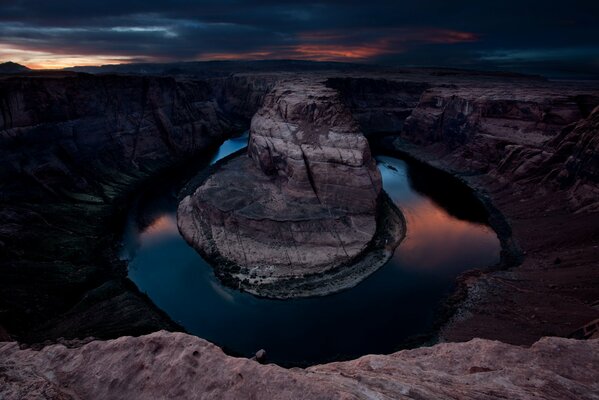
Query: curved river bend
{"points": [[392, 308]]}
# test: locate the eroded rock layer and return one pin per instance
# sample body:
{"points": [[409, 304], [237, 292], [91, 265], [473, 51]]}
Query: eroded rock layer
{"points": [[73, 148], [175, 365], [303, 203]]}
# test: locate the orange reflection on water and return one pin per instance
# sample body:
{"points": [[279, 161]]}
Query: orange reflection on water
{"points": [[435, 238], [164, 224]]}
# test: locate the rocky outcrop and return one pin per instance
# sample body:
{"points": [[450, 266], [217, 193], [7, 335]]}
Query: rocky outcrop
{"points": [[487, 126], [175, 365], [303, 204], [73, 147], [574, 165], [527, 146]]}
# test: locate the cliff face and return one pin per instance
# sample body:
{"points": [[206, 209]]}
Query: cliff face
{"points": [[530, 148], [379, 105], [454, 115], [481, 128], [303, 203], [175, 365], [306, 136], [73, 147], [574, 164]]}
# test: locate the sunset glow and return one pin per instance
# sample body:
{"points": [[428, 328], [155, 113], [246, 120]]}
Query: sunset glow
{"points": [[329, 45], [60, 34], [48, 60]]}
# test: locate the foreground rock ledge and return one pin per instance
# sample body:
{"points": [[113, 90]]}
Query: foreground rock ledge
{"points": [[176, 365], [303, 215]]}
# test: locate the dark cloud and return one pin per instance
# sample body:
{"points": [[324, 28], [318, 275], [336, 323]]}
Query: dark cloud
{"points": [[520, 35]]}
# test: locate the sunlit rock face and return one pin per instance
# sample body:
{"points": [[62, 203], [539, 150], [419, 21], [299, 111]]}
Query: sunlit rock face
{"points": [[304, 202]]}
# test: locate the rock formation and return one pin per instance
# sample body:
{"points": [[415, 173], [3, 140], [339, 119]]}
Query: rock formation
{"points": [[574, 164], [176, 365], [73, 148], [303, 204]]}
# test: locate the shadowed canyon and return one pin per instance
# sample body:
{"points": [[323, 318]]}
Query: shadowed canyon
{"points": [[193, 232]]}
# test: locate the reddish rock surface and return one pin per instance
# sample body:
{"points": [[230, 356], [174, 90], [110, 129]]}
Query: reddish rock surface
{"points": [[175, 365]]}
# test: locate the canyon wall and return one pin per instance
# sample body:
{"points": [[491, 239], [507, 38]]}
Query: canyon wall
{"points": [[529, 150], [380, 105], [73, 147]]}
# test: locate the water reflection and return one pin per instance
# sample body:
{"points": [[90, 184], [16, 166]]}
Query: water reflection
{"points": [[230, 146], [391, 306], [435, 238]]}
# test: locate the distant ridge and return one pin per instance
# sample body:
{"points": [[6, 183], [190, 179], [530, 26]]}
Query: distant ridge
{"points": [[10, 67], [216, 68], [220, 68]]}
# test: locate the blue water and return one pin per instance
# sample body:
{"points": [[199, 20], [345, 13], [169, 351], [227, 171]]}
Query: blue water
{"points": [[385, 312]]}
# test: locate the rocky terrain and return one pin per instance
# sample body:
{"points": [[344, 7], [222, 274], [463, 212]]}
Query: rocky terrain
{"points": [[175, 365], [524, 144], [74, 147], [309, 178]]}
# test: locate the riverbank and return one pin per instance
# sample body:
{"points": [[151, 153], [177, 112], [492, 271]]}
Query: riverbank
{"points": [[546, 282]]}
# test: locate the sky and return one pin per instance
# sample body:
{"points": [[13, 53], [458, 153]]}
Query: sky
{"points": [[554, 37]]}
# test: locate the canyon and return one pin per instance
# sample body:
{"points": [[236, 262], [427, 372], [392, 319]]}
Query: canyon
{"points": [[76, 146]]}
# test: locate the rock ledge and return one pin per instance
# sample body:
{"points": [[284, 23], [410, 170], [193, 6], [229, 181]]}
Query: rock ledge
{"points": [[176, 365]]}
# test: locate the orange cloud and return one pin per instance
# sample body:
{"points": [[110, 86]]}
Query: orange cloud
{"points": [[315, 52], [331, 45], [252, 55], [365, 44], [390, 36], [337, 52], [444, 36]]}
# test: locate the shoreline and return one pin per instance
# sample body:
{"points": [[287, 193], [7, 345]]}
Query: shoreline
{"points": [[537, 281], [391, 230]]}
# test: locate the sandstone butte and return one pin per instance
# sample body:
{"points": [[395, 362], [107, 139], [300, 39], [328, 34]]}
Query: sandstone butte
{"points": [[298, 217]]}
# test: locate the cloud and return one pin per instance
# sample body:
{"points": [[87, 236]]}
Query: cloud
{"points": [[461, 32]]}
